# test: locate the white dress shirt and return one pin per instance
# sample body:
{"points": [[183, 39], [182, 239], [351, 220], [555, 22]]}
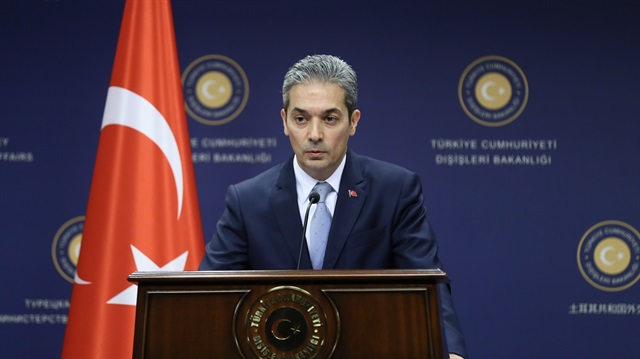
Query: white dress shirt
{"points": [[305, 183]]}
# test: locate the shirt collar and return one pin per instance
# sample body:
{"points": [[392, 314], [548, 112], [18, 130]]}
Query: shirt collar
{"points": [[305, 183]]}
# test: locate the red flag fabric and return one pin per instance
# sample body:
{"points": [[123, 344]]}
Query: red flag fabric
{"points": [[143, 211]]}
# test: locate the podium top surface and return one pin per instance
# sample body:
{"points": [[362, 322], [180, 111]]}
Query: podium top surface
{"points": [[274, 276]]}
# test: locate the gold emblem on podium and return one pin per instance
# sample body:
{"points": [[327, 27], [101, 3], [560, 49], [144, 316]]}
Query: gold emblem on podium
{"points": [[285, 322]]}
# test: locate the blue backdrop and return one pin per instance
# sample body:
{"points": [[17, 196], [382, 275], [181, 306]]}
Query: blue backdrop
{"points": [[535, 203]]}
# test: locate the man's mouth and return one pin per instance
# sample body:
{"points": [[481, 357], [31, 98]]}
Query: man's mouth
{"points": [[314, 153]]}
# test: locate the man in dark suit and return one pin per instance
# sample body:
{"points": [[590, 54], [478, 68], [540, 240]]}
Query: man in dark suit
{"points": [[376, 210]]}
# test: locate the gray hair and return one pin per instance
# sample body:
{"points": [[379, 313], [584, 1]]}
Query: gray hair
{"points": [[326, 69]]}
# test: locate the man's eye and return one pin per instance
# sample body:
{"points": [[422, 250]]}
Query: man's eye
{"points": [[331, 119], [299, 119]]}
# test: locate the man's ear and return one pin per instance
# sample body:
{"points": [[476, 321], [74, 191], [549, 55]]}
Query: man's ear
{"points": [[355, 119], [283, 114]]}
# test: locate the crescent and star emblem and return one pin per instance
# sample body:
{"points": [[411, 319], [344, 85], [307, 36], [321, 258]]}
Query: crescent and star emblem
{"points": [[603, 256], [485, 90], [293, 329]]}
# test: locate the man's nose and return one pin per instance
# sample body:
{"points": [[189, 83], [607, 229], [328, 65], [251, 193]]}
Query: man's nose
{"points": [[315, 130]]}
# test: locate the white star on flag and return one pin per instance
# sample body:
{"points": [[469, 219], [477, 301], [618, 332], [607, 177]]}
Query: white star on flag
{"points": [[144, 264]]}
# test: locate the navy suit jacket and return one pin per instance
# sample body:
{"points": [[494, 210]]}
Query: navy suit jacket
{"points": [[382, 226]]}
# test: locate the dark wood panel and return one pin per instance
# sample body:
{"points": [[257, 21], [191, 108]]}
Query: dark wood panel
{"points": [[185, 324], [384, 323]]}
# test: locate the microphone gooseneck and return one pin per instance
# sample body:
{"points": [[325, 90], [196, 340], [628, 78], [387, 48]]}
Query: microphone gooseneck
{"points": [[314, 197]]}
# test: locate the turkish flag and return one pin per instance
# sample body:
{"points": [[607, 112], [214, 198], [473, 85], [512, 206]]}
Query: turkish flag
{"points": [[143, 211]]}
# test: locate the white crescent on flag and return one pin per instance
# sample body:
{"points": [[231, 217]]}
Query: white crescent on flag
{"points": [[127, 108]]}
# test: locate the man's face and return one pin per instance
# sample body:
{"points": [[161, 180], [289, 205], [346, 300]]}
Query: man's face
{"points": [[318, 127]]}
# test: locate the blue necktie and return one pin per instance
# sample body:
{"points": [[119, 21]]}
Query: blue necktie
{"points": [[319, 227]]}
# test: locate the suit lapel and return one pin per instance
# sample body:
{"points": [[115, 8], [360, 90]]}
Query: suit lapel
{"points": [[348, 207], [284, 201]]}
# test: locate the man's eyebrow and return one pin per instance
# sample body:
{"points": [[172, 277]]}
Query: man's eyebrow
{"points": [[326, 112]]}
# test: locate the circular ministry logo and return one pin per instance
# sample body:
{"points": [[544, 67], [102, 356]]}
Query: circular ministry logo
{"points": [[286, 322], [66, 247], [216, 89], [609, 256], [493, 91]]}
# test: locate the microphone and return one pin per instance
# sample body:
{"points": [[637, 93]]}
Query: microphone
{"points": [[314, 197]]}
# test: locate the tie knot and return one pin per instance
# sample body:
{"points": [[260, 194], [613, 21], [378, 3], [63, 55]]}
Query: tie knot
{"points": [[323, 189]]}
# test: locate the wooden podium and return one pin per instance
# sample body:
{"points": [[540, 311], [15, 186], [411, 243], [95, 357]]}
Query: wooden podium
{"points": [[288, 314]]}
